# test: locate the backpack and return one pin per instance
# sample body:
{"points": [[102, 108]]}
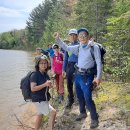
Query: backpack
{"points": [[102, 51], [25, 86]]}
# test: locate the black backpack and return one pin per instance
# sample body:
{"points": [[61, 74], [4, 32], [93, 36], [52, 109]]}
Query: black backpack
{"points": [[25, 86], [102, 50]]}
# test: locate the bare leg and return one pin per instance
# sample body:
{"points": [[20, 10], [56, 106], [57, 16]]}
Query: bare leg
{"points": [[51, 121], [38, 122]]}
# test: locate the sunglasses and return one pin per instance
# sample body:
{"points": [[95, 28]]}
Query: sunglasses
{"points": [[43, 63], [82, 36]]}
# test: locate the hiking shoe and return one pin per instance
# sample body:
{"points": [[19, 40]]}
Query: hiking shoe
{"points": [[94, 124], [81, 116]]}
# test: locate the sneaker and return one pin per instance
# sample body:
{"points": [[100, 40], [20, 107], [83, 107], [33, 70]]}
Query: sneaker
{"points": [[81, 116], [94, 124]]}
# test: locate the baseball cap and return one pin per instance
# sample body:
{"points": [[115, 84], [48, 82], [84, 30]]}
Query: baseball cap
{"points": [[83, 30], [73, 31]]}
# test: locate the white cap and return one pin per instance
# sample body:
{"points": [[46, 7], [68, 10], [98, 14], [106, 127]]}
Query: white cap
{"points": [[73, 31]]}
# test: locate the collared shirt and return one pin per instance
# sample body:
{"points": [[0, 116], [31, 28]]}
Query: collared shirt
{"points": [[70, 57], [85, 59]]}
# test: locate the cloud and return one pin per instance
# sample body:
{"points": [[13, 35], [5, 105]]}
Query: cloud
{"points": [[14, 13], [21, 4], [7, 12]]}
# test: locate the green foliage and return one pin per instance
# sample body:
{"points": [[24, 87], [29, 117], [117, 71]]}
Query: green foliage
{"points": [[93, 14], [114, 94], [58, 20], [36, 21], [15, 39], [118, 39]]}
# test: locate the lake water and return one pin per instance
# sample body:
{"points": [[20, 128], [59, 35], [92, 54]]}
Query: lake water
{"points": [[13, 66]]}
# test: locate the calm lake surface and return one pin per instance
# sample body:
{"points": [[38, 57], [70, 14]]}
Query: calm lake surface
{"points": [[13, 66]]}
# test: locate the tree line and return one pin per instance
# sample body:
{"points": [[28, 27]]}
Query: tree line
{"points": [[108, 22]]}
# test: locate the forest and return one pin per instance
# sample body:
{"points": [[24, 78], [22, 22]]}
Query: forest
{"points": [[108, 22]]}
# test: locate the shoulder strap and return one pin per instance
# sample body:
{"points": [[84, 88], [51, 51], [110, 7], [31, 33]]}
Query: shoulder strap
{"points": [[61, 56], [92, 52], [78, 49]]}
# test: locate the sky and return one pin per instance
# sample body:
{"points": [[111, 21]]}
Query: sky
{"points": [[14, 13]]}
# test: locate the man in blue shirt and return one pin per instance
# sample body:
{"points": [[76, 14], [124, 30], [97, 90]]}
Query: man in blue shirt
{"points": [[69, 61], [84, 77]]}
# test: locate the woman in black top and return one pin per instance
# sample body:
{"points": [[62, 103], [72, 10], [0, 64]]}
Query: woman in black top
{"points": [[40, 84]]}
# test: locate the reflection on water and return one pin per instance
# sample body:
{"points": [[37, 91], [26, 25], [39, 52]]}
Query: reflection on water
{"points": [[13, 66]]}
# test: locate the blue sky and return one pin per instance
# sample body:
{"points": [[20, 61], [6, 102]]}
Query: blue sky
{"points": [[14, 13]]}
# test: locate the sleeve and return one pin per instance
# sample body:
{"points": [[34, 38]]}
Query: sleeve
{"points": [[33, 77], [72, 49], [97, 55], [65, 61]]}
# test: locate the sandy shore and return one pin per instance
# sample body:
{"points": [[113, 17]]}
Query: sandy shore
{"points": [[22, 117]]}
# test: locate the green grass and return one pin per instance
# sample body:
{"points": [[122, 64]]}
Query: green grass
{"points": [[113, 94]]}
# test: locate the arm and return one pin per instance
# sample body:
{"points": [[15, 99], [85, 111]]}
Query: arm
{"points": [[72, 49], [97, 56], [35, 87]]}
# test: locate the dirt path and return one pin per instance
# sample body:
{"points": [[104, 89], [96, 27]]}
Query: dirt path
{"points": [[109, 118]]}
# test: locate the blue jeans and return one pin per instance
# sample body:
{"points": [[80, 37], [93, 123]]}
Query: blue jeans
{"points": [[83, 85]]}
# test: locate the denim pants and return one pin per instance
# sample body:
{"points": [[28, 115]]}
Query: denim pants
{"points": [[83, 85]]}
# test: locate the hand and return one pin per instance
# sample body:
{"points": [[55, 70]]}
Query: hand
{"points": [[56, 35], [96, 82], [52, 72], [92, 41], [48, 83], [63, 74]]}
